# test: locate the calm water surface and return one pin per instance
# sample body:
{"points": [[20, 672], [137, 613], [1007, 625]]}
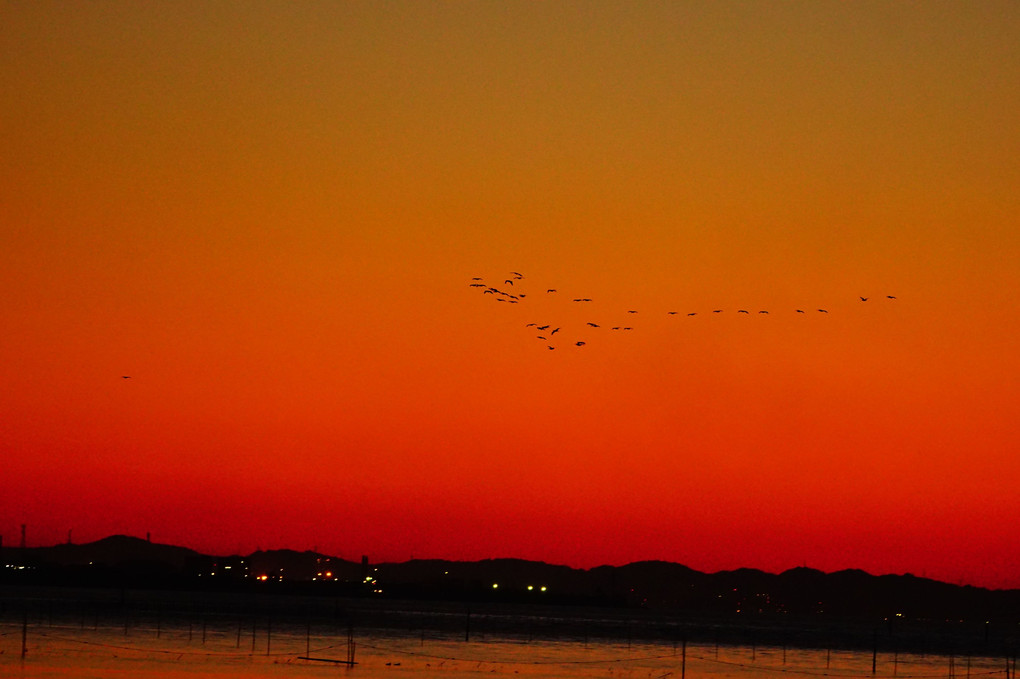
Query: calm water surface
{"points": [[181, 651]]}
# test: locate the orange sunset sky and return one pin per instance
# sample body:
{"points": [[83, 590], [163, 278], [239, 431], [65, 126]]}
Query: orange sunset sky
{"points": [[268, 215]]}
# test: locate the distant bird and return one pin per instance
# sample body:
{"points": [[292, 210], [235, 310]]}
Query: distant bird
{"points": [[509, 280], [594, 325], [543, 327], [554, 290], [580, 344], [530, 325], [541, 337], [671, 313], [488, 291], [554, 332], [743, 311], [823, 311], [800, 311], [125, 377], [631, 312], [628, 328], [522, 295], [550, 348], [476, 278], [477, 285], [889, 297], [616, 327], [584, 299], [864, 299], [716, 311], [693, 313], [519, 275], [762, 312]]}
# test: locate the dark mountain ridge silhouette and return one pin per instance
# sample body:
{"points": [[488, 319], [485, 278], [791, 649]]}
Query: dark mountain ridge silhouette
{"points": [[656, 585]]}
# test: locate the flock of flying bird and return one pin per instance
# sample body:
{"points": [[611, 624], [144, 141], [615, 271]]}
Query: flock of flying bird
{"points": [[546, 331]]}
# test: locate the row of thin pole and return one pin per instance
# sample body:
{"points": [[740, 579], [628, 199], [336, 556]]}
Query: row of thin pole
{"points": [[1010, 663]]}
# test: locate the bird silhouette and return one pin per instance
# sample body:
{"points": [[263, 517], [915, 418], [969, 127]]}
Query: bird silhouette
{"points": [[543, 327], [631, 312], [125, 377], [580, 344], [477, 285], [864, 299], [824, 311], [554, 290], [743, 311], [693, 313], [554, 332], [509, 280], [671, 313], [594, 325], [519, 275], [716, 311], [476, 278], [889, 297], [800, 311], [762, 312]]}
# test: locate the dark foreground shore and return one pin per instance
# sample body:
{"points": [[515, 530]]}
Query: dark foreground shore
{"points": [[135, 611]]}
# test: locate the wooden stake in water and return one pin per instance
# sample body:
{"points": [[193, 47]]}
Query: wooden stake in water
{"points": [[683, 660], [24, 636], [874, 652]]}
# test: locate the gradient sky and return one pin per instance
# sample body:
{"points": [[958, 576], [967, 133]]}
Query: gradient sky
{"points": [[268, 215]]}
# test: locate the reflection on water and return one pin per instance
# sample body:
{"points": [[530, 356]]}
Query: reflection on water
{"points": [[243, 649]]}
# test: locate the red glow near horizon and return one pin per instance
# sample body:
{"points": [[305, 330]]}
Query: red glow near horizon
{"points": [[272, 228]]}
